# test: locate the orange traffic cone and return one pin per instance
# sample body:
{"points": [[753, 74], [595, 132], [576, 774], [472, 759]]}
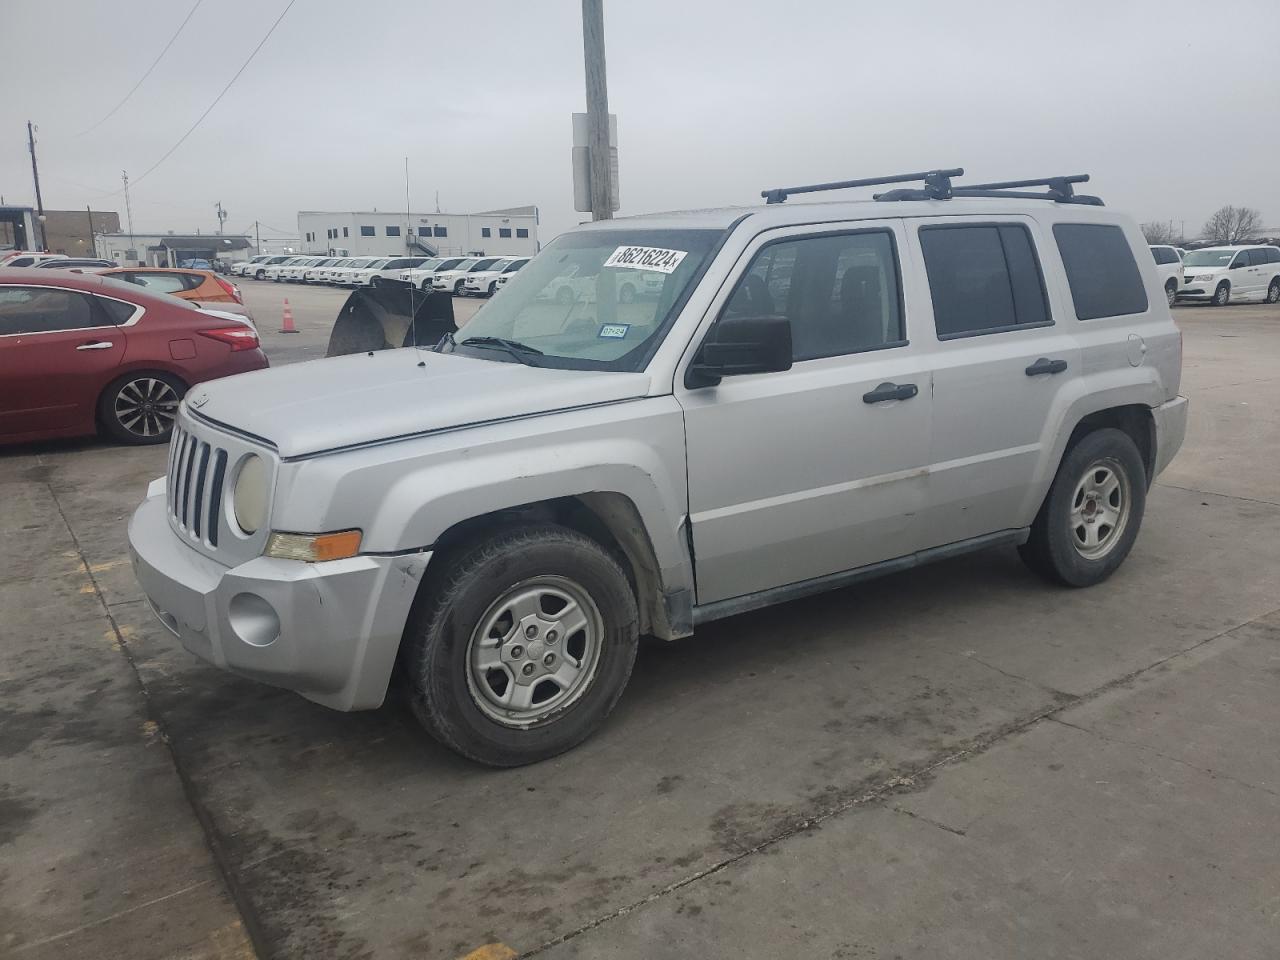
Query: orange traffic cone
{"points": [[286, 325]]}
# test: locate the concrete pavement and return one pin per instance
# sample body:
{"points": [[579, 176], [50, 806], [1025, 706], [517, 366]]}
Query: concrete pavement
{"points": [[959, 761]]}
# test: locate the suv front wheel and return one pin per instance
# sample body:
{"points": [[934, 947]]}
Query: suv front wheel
{"points": [[1090, 519], [522, 645]]}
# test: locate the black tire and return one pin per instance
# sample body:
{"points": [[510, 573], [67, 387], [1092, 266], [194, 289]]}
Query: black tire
{"points": [[119, 400], [259, 275], [426, 286], [1052, 549], [493, 288], [1273, 291], [1222, 295], [627, 293], [375, 283], [564, 296], [1171, 291], [457, 288], [451, 605]]}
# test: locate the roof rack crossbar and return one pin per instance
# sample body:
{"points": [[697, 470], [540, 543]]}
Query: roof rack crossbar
{"points": [[1060, 184], [937, 184], [1053, 195]]}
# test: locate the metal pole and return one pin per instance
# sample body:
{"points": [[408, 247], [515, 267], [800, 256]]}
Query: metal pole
{"points": [[35, 175], [128, 210], [257, 238], [92, 242], [597, 109]]}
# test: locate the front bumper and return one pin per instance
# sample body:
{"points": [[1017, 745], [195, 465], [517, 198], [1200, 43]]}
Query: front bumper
{"points": [[1171, 428], [329, 631]]}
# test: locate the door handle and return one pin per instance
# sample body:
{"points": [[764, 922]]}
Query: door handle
{"points": [[96, 345], [1045, 365], [890, 391]]}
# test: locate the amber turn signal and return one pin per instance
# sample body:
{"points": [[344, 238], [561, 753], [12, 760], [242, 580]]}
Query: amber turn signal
{"points": [[314, 547]]}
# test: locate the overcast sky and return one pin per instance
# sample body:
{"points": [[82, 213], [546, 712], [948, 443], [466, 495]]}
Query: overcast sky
{"points": [[1171, 106]]}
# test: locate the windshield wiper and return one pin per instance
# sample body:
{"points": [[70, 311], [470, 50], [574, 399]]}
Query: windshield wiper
{"points": [[446, 339], [521, 351]]}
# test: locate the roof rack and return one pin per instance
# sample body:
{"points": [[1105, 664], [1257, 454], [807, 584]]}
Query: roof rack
{"points": [[937, 185], [1059, 191]]}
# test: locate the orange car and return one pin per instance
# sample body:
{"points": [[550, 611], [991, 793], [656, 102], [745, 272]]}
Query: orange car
{"points": [[201, 286]]}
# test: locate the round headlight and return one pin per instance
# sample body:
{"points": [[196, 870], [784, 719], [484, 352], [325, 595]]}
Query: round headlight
{"points": [[249, 499]]}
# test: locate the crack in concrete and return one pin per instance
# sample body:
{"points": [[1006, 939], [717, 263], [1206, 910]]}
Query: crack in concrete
{"points": [[31, 945], [222, 863], [1062, 695], [1215, 774], [976, 747], [1214, 493], [933, 823]]}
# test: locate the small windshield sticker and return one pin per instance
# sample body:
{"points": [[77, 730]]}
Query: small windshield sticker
{"points": [[646, 258], [614, 331]]}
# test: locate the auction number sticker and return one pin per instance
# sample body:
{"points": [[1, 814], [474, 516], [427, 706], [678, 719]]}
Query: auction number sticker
{"points": [[655, 259], [615, 331]]}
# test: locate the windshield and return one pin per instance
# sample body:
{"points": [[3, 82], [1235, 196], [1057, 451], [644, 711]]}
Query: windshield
{"points": [[595, 299], [483, 265], [1209, 258]]}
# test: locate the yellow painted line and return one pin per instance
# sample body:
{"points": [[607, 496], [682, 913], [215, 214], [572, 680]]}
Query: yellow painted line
{"points": [[491, 951], [88, 588], [108, 565]]}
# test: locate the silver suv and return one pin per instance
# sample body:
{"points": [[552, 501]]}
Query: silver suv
{"points": [[815, 395]]}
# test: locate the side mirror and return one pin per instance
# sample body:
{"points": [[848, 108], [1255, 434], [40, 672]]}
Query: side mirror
{"points": [[739, 345]]}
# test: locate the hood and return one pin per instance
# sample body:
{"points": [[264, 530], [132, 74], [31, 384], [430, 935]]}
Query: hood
{"points": [[305, 408]]}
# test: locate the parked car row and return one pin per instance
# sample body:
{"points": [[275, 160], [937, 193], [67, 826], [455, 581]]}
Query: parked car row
{"points": [[1219, 275], [463, 276]]}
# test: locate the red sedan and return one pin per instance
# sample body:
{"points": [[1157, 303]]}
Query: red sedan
{"points": [[81, 353]]}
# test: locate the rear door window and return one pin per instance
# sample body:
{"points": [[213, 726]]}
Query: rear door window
{"points": [[1101, 270], [47, 310], [983, 278]]}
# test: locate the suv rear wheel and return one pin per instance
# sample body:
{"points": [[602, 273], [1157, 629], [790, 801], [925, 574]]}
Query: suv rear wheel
{"points": [[1171, 291], [1090, 519], [522, 646], [1273, 291]]}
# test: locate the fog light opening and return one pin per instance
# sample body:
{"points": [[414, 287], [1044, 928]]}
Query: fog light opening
{"points": [[253, 620]]}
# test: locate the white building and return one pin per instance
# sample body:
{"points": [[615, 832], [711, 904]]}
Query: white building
{"points": [[511, 232]]}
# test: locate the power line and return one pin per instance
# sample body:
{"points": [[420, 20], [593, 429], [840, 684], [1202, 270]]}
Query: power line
{"points": [[154, 63], [168, 153]]}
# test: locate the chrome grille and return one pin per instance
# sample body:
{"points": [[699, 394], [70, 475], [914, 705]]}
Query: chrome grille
{"points": [[196, 473]]}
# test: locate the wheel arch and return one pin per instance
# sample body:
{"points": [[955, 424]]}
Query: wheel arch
{"points": [[1134, 419], [612, 520]]}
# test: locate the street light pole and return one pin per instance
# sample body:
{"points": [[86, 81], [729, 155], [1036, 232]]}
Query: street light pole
{"points": [[597, 109], [35, 175]]}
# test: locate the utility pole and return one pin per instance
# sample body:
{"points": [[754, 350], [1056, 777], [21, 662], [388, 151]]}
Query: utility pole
{"points": [[222, 216], [89, 210], [597, 109], [128, 210], [257, 238], [35, 175]]}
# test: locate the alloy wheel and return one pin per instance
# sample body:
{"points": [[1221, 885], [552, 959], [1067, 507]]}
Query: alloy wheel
{"points": [[146, 407]]}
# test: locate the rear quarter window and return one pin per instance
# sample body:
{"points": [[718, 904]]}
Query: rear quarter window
{"points": [[1101, 270]]}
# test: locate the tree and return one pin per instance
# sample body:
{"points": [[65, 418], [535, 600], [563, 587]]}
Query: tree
{"points": [[1162, 233], [1233, 225]]}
